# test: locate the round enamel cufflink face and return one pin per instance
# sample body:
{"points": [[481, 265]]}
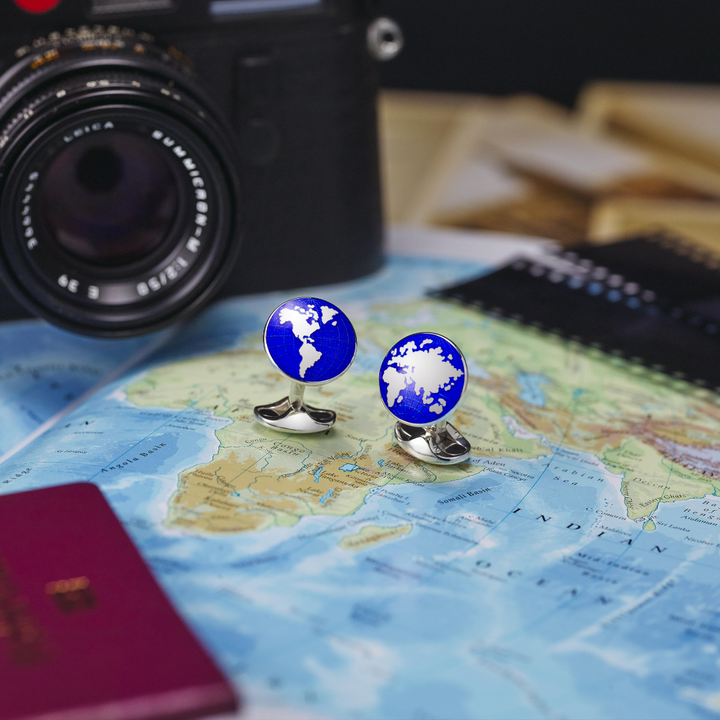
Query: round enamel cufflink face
{"points": [[422, 380], [311, 342]]}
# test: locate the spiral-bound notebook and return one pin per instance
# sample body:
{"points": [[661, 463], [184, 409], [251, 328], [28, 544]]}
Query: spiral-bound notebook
{"points": [[685, 279], [647, 299]]}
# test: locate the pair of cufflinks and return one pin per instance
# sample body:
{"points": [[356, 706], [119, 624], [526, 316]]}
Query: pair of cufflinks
{"points": [[422, 378]]}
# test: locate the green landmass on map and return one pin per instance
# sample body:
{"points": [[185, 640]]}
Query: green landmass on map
{"points": [[647, 430], [372, 535]]}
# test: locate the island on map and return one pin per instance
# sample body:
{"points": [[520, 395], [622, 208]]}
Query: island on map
{"points": [[372, 535]]}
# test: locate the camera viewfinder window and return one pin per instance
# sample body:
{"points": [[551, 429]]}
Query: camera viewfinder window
{"points": [[241, 7], [112, 7]]}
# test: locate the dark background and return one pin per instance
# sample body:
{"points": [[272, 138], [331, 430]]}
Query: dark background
{"points": [[551, 47]]}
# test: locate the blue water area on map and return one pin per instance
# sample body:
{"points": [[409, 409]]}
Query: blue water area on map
{"points": [[348, 467], [324, 498], [531, 385], [44, 369], [317, 474]]}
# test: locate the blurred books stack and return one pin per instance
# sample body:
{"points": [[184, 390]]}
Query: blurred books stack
{"points": [[630, 159]]}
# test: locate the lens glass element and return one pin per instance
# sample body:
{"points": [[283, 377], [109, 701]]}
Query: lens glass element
{"points": [[109, 198]]}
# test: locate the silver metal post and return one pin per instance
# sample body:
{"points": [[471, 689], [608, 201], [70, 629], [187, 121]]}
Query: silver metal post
{"points": [[297, 393]]}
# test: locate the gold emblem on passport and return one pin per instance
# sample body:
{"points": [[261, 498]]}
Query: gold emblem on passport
{"points": [[72, 595]]}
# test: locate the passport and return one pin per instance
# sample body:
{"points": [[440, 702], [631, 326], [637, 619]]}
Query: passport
{"points": [[86, 633]]}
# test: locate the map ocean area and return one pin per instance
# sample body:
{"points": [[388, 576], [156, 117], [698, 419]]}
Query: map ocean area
{"points": [[579, 546], [44, 369]]}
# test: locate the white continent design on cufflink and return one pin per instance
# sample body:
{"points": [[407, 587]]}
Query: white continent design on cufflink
{"points": [[312, 342], [422, 380]]}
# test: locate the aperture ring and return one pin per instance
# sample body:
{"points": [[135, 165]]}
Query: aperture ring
{"points": [[70, 51], [66, 91]]}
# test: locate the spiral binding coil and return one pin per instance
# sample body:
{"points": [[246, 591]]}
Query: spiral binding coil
{"points": [[582, 275]]}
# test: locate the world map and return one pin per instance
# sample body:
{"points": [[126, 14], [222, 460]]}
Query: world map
{"points": [[569, 570]]}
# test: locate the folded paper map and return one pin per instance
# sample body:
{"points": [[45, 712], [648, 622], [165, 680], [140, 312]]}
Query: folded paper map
{"points": [[570, 569]]}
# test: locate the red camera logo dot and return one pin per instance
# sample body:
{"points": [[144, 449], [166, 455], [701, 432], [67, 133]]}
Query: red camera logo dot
{"points": [[36, 6]]}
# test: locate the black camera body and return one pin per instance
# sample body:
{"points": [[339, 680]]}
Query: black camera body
{"points": [[216, 147]]}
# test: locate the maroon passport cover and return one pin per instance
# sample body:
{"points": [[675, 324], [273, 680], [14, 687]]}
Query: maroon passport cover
{"points": [[85, 631]]}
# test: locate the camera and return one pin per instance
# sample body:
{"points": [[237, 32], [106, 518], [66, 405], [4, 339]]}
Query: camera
{"points": [[156, 153]]}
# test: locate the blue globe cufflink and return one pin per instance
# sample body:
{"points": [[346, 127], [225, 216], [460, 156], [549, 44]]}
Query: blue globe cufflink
{"points": [[311, 342], [422, 379]]}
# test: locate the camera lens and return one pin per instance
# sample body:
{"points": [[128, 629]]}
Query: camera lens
{"points": [[118, 194], [109, 200]]}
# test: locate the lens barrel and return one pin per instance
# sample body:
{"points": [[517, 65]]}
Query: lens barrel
{"points": [[118, 194]]}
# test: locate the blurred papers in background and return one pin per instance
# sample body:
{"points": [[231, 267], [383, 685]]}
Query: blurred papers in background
{"points": [[631, 159]]}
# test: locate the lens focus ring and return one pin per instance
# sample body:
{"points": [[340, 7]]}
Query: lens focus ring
{"points": [[119, 204]]}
